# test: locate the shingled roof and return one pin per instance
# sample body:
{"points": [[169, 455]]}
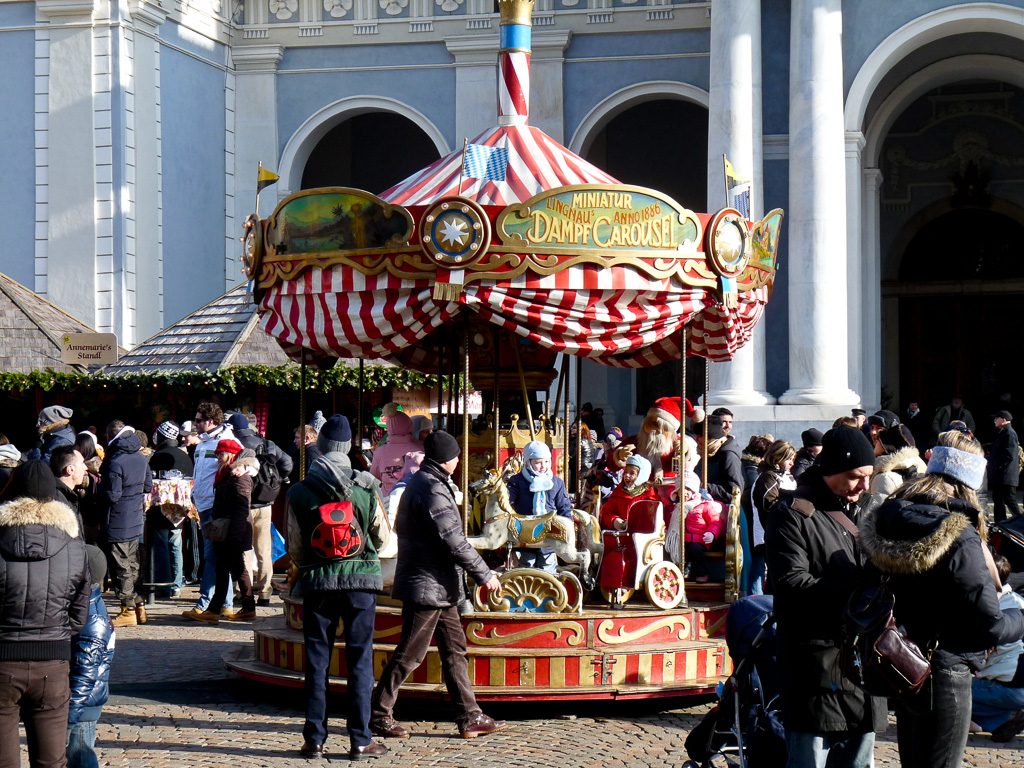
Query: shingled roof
{"points": [[31, 328], [223, 334]]}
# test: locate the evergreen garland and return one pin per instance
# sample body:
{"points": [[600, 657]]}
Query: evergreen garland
{"points": [[227, 380]]}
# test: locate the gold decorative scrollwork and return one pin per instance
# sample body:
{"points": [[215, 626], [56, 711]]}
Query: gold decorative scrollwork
{"points": [[622, 636], [526, 590], [495, 638]]}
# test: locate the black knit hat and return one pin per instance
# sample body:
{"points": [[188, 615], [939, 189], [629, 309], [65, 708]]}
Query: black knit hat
{"points": [[844, 449], [441, 447], [335, 435], [33, 479], [811, 437]]}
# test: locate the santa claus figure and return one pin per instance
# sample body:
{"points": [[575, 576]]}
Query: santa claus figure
{"points": [[658, 438]]}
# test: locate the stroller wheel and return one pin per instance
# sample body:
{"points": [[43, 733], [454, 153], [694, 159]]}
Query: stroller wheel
{"points": [[691, 764]]}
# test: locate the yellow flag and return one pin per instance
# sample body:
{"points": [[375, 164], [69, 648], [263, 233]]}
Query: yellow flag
{"points": [[730, 173], [265, 178]]}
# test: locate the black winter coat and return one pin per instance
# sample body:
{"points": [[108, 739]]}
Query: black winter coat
{"points": [[802, 462], [249, 439], [125, 480], [92, 653], [725, 471], [58, 437], [168, 456], [1003, 466], [44, 580], [432, 550], [938, 576], [814, 566], [231, 494]]}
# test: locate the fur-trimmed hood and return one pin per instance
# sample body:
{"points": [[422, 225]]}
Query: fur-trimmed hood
{"points": [[901, 461], [907, 537], [35, 530]]}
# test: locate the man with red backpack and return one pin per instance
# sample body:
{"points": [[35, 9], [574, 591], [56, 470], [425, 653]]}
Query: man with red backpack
{"points": [[335, 522]]}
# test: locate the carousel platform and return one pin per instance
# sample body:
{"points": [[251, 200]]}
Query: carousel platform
{"points": [[633, 653]]}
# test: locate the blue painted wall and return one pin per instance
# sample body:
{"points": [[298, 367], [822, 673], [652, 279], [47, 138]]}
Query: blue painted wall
{"points": [[192, 128], [587, 83], [866, 23], [429, 89], [17, 142]]}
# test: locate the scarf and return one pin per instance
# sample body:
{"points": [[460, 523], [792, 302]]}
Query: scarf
{"points": [[714, 445], [539, 486]]}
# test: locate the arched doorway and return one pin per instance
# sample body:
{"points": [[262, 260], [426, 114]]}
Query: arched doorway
{"points": [[371, 151], [661, 144], [960, 293], [951, 221]]}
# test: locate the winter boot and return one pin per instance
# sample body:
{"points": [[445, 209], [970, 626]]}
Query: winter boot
{"points": [[126, 618], [140, 613]]}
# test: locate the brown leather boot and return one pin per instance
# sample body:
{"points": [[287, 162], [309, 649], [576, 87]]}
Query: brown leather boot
{"points": [[140, 613], [126, 618]]}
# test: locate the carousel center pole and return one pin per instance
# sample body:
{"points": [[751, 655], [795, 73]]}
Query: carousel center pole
{"points": [[704, 400], [579, 427], [514, 44]]}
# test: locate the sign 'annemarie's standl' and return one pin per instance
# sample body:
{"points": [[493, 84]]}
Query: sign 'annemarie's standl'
{"points": [[88, 348]]}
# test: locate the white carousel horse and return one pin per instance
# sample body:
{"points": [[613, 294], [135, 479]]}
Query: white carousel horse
{"points": [[503, 527]]}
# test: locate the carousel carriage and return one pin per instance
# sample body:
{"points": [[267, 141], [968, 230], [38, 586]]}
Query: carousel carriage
{"points": [[492, 279]]}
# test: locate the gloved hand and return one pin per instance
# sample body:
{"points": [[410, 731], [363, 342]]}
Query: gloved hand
{"points": [[619, 523], [708, 537]]}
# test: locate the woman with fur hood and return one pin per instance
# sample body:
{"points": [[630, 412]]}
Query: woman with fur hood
{"points": [[900, 462], [236, 467], [928, 539]]}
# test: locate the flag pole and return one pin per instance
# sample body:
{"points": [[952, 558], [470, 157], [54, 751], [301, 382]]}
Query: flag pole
{"points": [[259, 168], [725, 177], [462, 165]]}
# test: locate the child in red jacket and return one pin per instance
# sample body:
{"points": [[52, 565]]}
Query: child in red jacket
{"points": [[704, 523]]}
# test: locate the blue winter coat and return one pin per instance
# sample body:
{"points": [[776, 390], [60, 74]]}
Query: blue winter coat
{"points": [[521, 497], [125, 479], [52, 440], [92, 652]]}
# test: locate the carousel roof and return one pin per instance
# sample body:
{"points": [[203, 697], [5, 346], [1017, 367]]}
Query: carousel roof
{"points": [[536, 162], [31, 327]]}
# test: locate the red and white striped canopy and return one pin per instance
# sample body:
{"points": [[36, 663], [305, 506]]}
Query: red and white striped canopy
{"points": [[618, 317], [536, 162]]}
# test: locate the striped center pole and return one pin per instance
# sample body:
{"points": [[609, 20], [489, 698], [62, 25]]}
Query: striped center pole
{"points": [[514, 61]]}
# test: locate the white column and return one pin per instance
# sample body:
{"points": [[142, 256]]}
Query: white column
{"points": [[149, 312], [855, 261], [734, 130], [255, 125], [818, 365], [547, 90], [871, 386]]}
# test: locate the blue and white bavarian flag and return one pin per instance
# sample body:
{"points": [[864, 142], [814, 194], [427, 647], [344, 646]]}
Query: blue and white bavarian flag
{"points": [[483, 162]]}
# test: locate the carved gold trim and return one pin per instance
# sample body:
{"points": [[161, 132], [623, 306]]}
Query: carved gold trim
{"points": [[495, 638], [605, 635]]}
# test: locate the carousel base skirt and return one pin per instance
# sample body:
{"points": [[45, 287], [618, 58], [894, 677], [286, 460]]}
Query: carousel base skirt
{"points": [[634, 653]]}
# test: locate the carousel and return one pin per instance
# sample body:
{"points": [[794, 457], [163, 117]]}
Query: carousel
{"points": [[496, 265]]}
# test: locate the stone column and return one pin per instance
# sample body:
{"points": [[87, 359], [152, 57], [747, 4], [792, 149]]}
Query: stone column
{"points": [[870, 251], [734, 130], [855, 267], [256, 126], [816, 269]]}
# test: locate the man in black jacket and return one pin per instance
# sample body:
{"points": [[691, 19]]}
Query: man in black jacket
{"points": [[432, 553], [1004, 467], [814, 565], [262, 543], [725, 465], [44, 601]]}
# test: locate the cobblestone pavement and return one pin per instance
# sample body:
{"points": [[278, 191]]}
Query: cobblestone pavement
{"points": [[174, 704]]}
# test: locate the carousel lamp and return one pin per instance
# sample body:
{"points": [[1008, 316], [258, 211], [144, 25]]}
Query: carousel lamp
{"points": [[514, 61]]}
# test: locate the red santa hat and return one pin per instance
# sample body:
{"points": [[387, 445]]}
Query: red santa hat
{"points": [[669, 409]]}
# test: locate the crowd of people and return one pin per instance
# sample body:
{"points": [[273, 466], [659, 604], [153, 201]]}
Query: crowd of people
{"points": [[868, 499]]}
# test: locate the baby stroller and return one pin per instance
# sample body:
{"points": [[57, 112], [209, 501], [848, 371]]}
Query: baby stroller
{"points": [[744, 728]]}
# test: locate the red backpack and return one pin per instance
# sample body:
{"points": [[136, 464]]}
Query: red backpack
{"points": [[338, 535]]}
